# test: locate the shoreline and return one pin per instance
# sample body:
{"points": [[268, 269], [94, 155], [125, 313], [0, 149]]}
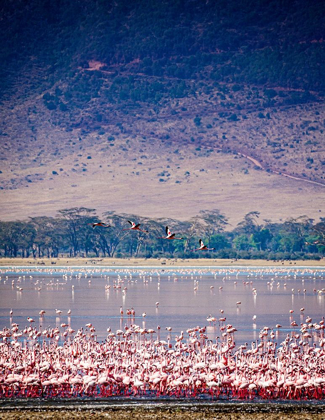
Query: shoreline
{"points": [[164, 410], [154, 262]]}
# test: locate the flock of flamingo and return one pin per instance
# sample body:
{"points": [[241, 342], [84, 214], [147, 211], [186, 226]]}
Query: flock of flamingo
{"points": [[169, 234], [134, 361]]}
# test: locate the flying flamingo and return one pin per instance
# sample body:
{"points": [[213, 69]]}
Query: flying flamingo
{"points": [[135, 227], [101, 224], [169, 235], [203, 247]]}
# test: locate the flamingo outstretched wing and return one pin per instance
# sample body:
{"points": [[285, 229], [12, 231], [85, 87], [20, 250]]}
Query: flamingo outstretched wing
{"points": [[169, 235], [101, 224]]}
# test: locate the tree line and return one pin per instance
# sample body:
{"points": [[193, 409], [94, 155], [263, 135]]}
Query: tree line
{"points": [[71, 233]]}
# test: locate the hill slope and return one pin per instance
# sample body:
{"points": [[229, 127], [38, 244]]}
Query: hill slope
{"points": [[154, 105]]}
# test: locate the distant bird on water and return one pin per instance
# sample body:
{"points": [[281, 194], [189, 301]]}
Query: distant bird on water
{"points": [[169, 235], [203, 247]]}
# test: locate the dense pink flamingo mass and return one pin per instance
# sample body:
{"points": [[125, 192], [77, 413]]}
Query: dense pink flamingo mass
{"points": [[61, 362]]}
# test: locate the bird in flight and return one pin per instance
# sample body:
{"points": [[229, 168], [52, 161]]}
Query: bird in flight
{"points": [[169, 235], [101, 224], [135, 227], [203, 247]]}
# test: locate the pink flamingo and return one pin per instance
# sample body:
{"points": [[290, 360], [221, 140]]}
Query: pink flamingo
{"points": [[99, 224], [135, 227], [203, 247], [169, 235]]}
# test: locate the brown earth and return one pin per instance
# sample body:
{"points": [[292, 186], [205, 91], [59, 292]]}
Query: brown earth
{"points": [[163, 165], [234, 412], [152, 262], [176, 185]]}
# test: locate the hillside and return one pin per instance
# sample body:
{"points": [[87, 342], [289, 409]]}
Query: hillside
{"points": [[168, 107]]}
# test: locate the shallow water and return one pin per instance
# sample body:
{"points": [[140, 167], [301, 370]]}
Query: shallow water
{"points": [[186, 296]]}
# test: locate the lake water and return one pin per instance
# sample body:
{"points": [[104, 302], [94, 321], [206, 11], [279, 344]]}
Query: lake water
{"points": [[186, 296]]}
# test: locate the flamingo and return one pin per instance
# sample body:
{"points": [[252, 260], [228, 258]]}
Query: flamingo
{"points": [[135, 227], [164, 368], [169, 235], [101, 224], [203, 247]]}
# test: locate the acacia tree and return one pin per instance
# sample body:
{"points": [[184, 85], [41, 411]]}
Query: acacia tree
{"points": [[250, 234], [294, 232], [72, 230], [17, 236], [49, 236], [26, 237], [133, 241], [76, 222], [213, 222], [116, 233], [100, 241], [154, 231], [243, 232], [250, 224], [176, 226], [318, 232], [194, 230]]}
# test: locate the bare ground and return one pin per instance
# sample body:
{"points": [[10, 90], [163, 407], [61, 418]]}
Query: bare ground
{"points": [[166, 166], [159, 414], [152, 262], [218, 411], [162, 184]]}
